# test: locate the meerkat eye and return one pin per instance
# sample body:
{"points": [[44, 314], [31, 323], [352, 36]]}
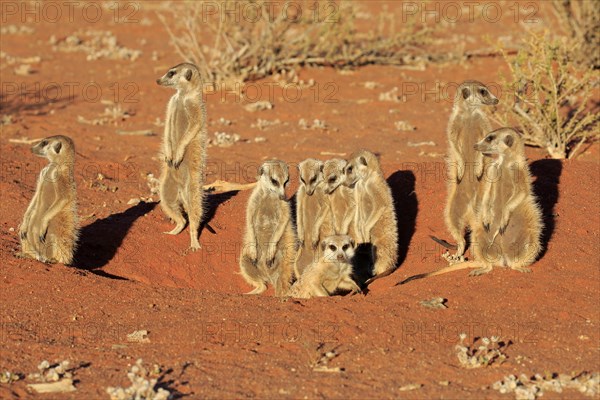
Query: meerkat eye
{"points": [[345, 247], [349, 169], [170, 74], [332, 179], [313, 179], [332, 247], [302, 180], [43, 143], [274, 182], [286, 182], [489, 139], [483, 92]]}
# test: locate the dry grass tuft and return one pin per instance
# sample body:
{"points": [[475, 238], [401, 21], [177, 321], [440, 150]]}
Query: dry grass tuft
{"points": [[264, 40], [556, 105]]}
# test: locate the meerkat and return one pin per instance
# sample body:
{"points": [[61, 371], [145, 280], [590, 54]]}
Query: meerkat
{"points": [[375, 216], [269, 245], [508, 223], [49, 230], [340, 197], [311, 211], [333, 272], [468, 124], [184, 151]]}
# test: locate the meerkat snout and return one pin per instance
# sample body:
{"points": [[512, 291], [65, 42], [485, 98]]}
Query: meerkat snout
{"points": [[476, 94], [275, 177], [495, 143]]}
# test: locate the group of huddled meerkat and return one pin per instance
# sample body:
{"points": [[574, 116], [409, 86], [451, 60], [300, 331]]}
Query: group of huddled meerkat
{"points": [[341, 205]]}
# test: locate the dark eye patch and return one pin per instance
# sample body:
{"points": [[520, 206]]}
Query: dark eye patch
{"points": [[332, 179], [345, 247], [170, 74], [332, 247], [313, 179], [274, 182], [302, 180], [489, 138], [43, 143]]}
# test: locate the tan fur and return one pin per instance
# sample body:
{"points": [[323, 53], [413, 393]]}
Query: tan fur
{"points": [[508, 224], [184, 151], [467, 125], [375, 217], [49, 230], [331, 273], [269, 248], [340, 198], [311, 211]]}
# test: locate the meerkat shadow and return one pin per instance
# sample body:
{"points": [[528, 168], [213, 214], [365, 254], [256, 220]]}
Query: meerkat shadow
{"points": [[212, 203], [100, 240], [545, 187], [402, 184]]}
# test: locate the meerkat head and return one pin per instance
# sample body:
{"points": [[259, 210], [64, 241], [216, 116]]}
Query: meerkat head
{"points": [[180, 76], [333, 174], [311, 174], [339, 248], [498, 143], [274, 176], [54, 147], [474, 94], [359, 166]]}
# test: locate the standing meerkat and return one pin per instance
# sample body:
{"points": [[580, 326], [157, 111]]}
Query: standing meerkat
{"points": [[341, 202], [269, 246], [508, 223], [375, 217], [49, 230], [468, 124], [184, 151], [331, 273], [311, 211]]}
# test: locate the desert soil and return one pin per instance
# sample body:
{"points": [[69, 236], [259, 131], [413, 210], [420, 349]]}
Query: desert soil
{"points": [[210, 339]]}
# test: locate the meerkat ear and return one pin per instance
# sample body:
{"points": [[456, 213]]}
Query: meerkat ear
{"points": [[188, 75], [352, 243], [323, 245], [466, 93], [321, 168], [509, 140], [362, 160], [57, 147]]}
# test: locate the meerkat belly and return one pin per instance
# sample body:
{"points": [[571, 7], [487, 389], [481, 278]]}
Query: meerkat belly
{"points": [[180, 122], [264, 228]]}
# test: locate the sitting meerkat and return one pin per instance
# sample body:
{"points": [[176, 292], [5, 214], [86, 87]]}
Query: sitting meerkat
{"points": [[269, 247], [333, 272], [184, 151], [49, 230], [467, 125], [311, 211], [342, 204], [375, 216], [508, 223]]}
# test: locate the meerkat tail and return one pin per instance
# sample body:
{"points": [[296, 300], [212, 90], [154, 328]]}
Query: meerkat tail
{"points": [[379, 276], [444, 243], [450, 268], [223, 186]]}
